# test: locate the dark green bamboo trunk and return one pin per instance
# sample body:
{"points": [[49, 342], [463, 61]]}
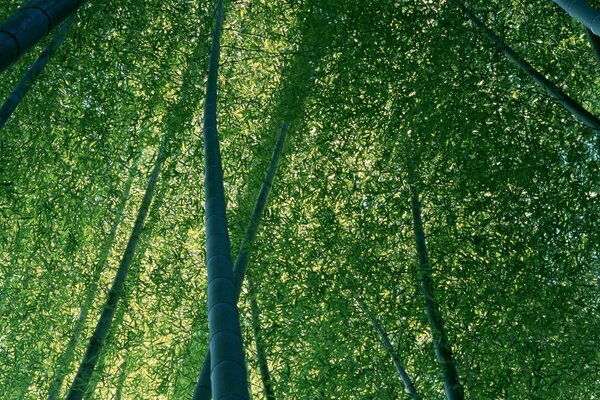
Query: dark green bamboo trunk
{"points": [[243, 256], [67, 357], [571, 105], [589, 17], [15, 98], [441, 344], [594, 44], [153, 217], [202, 390], [387, 344], [30, 24], [109, 344], [188, 99], [261, 353], [582, 12], [228, 370], [88, 363]]}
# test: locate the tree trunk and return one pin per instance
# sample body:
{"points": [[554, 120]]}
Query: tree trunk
{"points": [[554, 91], [30, 24], [228, 370], [594, 43], [261, 354], [90, 393], [203, 386], [14, 99], [387, 344], [154, 216], [68, 355], [582, 12], [441, 345], [88, 363]]}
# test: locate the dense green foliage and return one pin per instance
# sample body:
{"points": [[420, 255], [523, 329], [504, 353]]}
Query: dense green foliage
{"points": [[508, 182]]}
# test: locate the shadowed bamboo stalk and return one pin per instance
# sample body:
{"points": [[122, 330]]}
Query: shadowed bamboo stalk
{"points": [[14, 99], [69, 354], [441, 344], [387, 344], [571, 105], [30, 24], [582, 12], [88, 363], [261, 353], [228, 369], [589, 17], [594, 43], [202, 390], [153, 217]]}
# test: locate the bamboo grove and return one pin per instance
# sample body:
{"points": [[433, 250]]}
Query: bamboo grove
{"points": [[299, 199]]}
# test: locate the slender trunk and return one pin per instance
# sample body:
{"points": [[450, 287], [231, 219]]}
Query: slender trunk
{"points": [[14, 99], [387, 344], [30, 24], [189, 97], [228, 370], [582, 12], [554, 91], [203, 386], [594, 43], [261, 353], [154, 215], [589, 17], [122, 378], [88, 363], [243, 257], [441, 345], [68, 355], [90, 393]]}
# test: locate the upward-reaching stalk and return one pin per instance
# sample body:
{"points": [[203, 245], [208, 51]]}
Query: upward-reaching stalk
{"points": [[109, 343], [387, 344], [589, 17], [30, 24], [261, 353], [441, 345], [243, 256], [582, 12], [594, 43], [14, 99], [228, 369], [68, 355], [554, 91], [90, 358], [202, 390]]}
